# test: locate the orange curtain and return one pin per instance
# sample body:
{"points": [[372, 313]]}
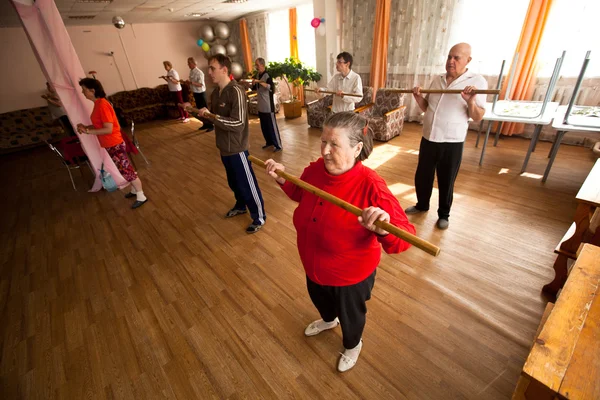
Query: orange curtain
{"points": [[527, 47], [246, 49], [380, 44], [299, 93]]}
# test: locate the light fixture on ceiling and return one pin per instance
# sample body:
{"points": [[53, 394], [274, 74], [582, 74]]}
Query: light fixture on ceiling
{"points": [[95, 1], [235, 1], [195, 14]]}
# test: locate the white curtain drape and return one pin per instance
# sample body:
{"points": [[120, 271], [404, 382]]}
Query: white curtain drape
{"points": [[258, 25], [358, 22], [418, 45]]}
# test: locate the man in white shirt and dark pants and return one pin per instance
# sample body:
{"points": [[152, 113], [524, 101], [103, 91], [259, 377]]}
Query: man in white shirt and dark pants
{"points": [[345, 81], [196, 82], [445, 129]]}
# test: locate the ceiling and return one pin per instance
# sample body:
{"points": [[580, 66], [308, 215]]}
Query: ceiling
{"points": [[148, 11]]}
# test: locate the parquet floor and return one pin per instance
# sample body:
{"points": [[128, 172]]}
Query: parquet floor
{"points": [[173, 301]]}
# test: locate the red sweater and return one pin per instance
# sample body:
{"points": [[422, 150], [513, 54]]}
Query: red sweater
{"points": [[335, 249]]}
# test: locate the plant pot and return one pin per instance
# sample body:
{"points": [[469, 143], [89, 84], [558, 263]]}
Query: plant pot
{"points": [[292, 109]]}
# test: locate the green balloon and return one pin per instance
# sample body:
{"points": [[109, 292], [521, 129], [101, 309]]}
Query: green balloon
{"points": [[205, 46]]}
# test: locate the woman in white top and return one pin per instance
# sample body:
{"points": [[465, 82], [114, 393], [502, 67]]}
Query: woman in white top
{"points": [[172, 79]]}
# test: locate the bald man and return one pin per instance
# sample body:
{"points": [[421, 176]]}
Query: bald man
{"points": [[445, 129]]}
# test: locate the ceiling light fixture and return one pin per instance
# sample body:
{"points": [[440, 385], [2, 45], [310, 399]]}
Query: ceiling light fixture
{"points": [[95, 1], [196, 14], [235, 1], [81, 16]]}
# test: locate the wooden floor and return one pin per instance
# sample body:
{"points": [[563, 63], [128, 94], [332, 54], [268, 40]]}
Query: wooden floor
{"points": [[173, 301]]}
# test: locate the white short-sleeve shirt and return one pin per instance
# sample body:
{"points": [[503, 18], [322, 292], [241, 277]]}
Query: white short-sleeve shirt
{"points": [[173, 87], [197, 76], [447, 117], [350, 83]]}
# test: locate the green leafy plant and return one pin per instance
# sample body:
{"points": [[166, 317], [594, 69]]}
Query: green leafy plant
{"points": [[293, 71]]}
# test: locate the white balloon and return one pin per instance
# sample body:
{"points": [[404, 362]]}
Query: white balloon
{"points": [[222, 30], [118, 22], [218, 49], [321, 30], [237, 70], [231, 49], [207, 34]]}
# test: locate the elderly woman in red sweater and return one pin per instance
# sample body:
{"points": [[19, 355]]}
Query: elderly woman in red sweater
{"points": [[340, 254], [106, 126]]}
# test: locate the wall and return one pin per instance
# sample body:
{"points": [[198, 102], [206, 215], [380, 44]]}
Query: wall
{"points": [[146, 45]]}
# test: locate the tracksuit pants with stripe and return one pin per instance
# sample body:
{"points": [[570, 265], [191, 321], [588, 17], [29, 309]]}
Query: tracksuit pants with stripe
{"points": [[241, 179], [270, 130]]}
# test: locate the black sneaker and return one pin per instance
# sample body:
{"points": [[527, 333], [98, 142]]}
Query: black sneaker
{"points": [[139, 203], [130, 195], [210, 129], [266, 146], [277, 149], [253, 228], [234, 212]]}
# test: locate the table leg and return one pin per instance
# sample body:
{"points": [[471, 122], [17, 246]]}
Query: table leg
{"points": [[560, 276], [479, 133], [553, 152], [536, 133], [498, 133], [485, 140]]}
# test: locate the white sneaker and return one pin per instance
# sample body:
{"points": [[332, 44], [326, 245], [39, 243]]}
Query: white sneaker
{"points": [[316, 327], [185, 120], [349, 357]]}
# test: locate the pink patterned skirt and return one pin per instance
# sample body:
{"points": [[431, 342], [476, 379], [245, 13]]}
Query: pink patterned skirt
{"points": [[119, 157]]}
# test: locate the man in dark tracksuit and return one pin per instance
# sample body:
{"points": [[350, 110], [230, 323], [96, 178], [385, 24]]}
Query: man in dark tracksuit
{"points": [[228, 104], [265, 87]]}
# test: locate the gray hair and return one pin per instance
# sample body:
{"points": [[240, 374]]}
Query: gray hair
{"points": [[261, 61], [356, 128]]}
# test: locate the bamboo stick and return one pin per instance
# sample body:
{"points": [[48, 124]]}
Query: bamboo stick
{"points": [[394, 230], [445, 91], [329, 92]]}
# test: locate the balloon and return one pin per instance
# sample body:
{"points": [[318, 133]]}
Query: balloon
{"points": [[322, 20], [237, 70], [218, 49], [222, 30], [200, 42], [231, 49], [118, 22], [321, 30], [205, 47], [207, 33], [315, 22]]}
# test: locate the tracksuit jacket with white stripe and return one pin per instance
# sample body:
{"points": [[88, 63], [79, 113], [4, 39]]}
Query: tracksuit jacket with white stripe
{"points": [[231, 124]]}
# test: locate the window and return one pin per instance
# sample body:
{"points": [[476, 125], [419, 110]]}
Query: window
{"points": [[278, 35], [306, 35]]}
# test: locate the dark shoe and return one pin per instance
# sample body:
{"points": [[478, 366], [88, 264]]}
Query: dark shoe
{"points": [[266, 146], [139, 203], [253, 228], [277, 149], [235, 211], [130, 195], [442, 223], [210, 129], [413, 210]]}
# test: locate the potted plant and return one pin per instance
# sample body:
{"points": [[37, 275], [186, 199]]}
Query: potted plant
{"points": [[299, 75]]}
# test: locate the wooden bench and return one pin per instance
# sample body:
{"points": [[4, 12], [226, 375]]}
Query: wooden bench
{"points": [[564, 362], [588, 211]]}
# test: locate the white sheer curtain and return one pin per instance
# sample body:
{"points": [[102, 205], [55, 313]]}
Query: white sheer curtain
{"points": [[257, 33], [306, 35], [278, 35], [358, 22], [418, 45]]}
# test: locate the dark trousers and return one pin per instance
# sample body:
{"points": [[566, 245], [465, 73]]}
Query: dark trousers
{"points": [[65, 122], [200, 99], [178, 99], [270, 130], [443, 159], [348, 303], [241, 179]]}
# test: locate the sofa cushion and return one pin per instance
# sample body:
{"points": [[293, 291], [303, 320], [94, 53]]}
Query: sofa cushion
{"points": [[23, 128]]}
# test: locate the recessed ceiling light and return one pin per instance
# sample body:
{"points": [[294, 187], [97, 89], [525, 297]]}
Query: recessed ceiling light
{"points": [[196, 14], [235, 1]]}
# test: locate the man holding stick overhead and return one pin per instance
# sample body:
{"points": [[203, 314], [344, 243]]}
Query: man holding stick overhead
{"points": [[345, 81], [445, 129], [229, 114]]}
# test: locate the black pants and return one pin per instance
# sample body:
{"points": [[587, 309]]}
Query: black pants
{"points": [[200, 99], [443, 159], [241, 179], [348, 303], [270, 130], [66, 124]]}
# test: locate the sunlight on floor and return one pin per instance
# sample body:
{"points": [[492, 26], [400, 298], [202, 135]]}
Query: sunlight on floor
{"points": [[400, 188], [381, 154], [532, 176], [503, 171]]}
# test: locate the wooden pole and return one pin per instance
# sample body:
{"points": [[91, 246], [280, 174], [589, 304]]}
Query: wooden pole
{"points": [[445, 91], [328, 92], [394, 230]]}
